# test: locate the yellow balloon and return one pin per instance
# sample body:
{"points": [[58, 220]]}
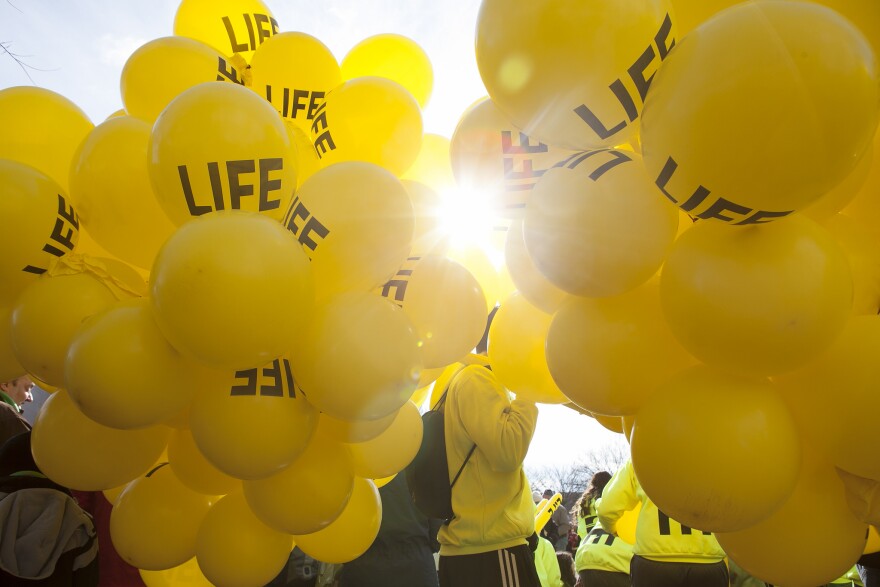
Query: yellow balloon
{"points": [[477, 261], [352, 533], [865, 206], [361, 360], [234, 548], [572, 76], [48, 313], [789, 547], [355, 430], [836, 422], [122, 373], [156, 519], [370, 119], [516, 351], [428, 234], [873, 544], [609, 354], [265, 281], [110, 187], [158, 71], [610, 423], [445, 304], [433, 166], [194, 470], [394, 57], [735, 419], [186, 575], [113, 493], [230, 26], [355, 222], [42, 129], [732, 100], [81, 454], [533, 286], [844, 192], [392, 450], [224, 421], [862, 248], [294, 71], [307, 162], [760, 300], [492, 156], [221, 147], [39, 224], [383, 481], [310, 493], [595, 225], [9, 365]]}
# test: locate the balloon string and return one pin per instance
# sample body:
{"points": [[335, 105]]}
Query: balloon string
{"points": [[74, 264]]}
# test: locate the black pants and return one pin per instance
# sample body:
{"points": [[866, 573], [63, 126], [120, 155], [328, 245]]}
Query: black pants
{"points": [[648, 573], [596, 578], [511, 567]]}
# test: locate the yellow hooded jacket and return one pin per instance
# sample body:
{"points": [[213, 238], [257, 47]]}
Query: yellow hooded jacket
{"points": [[602, 551], [492, 500], [658, 537]]}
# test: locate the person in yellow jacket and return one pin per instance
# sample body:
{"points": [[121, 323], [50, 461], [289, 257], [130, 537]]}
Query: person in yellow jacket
{"points": [[547, 565], [485, 543], [603, 559], [666, 553], [585, 508]]}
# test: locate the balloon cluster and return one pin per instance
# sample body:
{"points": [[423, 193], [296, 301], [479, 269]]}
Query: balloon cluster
{"points": [[240, 290], [690, 218]]}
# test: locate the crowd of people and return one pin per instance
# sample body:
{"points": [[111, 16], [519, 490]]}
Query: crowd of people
{"points": [[58, 537]]}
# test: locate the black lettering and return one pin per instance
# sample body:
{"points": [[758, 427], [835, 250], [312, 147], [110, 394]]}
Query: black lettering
{"points": [[269, 185], [312, 227], [637, 72], [759, 215], [618, 158], [399, 287], [523, 148], [55, 251], [323, 143], [262, 32], [314, 105], [250, 28], [288, 375], [297, 95], [528, 172], [194, 209], [250, 387], [662, 36], [275, 25], [276, 389], [67, 215], [34, 270], [286, 102], [297, 210], [226, 72], [216, 186], [663, 520], [662, 181], [593, 121], [236, 190], [625, 99], [721, 205], [233, 43]]}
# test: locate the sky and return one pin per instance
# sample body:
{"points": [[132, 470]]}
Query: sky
{"points": [[78, 49]]}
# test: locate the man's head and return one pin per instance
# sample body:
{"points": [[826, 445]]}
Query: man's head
{"points": [[19, 389], [548, 493]]}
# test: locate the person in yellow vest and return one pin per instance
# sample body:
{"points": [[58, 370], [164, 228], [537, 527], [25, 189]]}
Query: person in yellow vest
{"points": [[485, 543], [547, 565], [602, 559], [666, 553], [585, 507]]}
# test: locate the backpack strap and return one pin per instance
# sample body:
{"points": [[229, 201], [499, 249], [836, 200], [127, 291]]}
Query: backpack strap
{"points": [[438, 405]]}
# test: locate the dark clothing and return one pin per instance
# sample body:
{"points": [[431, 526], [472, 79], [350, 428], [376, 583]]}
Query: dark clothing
{"points": [[46, 539], [114, 571], [403, 553], [869, 569], [12, 423], [509, 567], [596, 578], [650, 573]]}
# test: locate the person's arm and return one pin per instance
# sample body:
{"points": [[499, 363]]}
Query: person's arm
{"points": [[501, 429], [619, 496]]}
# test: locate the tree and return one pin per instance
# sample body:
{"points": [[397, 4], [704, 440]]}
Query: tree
{"points": [[571, 479]]}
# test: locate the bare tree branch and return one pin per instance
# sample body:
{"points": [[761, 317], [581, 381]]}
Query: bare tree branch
{"points": [[4, 46]]}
